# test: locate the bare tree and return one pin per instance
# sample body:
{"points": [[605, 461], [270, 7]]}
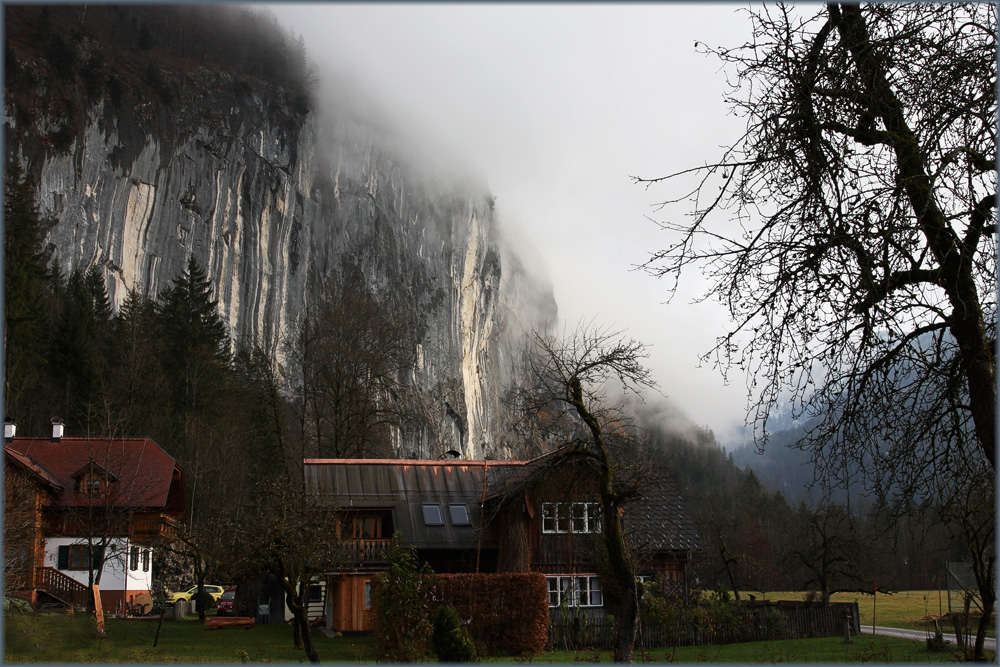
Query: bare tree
{"points": [[862, 281], [858, 261], [568, 394], [286, 532], [348, 355]]}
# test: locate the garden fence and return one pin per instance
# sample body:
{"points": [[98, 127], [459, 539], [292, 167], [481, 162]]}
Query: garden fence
{"points": [[743, 625]]}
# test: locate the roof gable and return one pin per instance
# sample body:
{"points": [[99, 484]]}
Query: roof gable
{"points": [[141, 470]]}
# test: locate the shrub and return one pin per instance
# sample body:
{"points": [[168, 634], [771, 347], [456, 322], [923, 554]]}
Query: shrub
{"points": [[401, 627], [516, 602], [452, 641]]}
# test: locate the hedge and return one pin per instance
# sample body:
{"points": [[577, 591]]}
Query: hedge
{"points": [[506, 614]]}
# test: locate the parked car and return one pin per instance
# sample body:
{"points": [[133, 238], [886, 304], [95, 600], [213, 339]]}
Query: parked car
{"points": [[225, 605], [189, 594]]}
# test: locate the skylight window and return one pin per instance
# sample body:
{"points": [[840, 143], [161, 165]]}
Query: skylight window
{"points": [[459, 515], [432, 515]]}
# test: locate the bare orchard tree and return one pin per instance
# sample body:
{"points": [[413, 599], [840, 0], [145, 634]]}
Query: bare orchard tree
{"points": [[286, 532], [858, 260], [968, 504], [568, 393]]}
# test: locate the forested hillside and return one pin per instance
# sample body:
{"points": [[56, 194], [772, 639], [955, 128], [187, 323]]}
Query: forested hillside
{"points": [[755, 539]]}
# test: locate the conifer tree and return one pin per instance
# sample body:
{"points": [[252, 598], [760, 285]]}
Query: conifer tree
{"points": [[81, 346], [26, 323], [195, 348]]}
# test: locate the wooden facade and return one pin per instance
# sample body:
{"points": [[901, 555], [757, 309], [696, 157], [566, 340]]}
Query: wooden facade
{"points": [[92, 505], [488, 516]]}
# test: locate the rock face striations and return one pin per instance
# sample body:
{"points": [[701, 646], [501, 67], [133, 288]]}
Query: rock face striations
{"points": [[165, 156]]}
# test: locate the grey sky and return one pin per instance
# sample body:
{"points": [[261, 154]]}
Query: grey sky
{"points": [[556, 106]]}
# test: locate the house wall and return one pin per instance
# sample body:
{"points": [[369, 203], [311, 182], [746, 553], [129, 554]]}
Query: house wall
{"points": [[119, 582]]}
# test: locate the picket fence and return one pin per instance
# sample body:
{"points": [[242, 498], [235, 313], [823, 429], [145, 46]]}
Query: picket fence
{"points": [[746, 625]]}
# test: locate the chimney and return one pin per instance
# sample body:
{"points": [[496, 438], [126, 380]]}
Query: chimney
{"points": [[57, 428], [9, 428]]}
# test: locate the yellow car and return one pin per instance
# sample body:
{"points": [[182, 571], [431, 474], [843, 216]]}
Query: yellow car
{"points": [[215, 591]]}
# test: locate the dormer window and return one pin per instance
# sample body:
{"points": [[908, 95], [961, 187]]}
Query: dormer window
{"points": [[92, 488], [92, 480]]}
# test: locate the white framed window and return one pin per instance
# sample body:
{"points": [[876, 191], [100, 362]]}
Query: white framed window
{"points": [[133, 558], [577, 517], [145, 559], [586, 517], [577, 590], [553, 520], [368, 594]]}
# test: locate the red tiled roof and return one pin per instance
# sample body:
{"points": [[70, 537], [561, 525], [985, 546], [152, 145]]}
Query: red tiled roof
{"points": [[29, 465], [143, 469]]}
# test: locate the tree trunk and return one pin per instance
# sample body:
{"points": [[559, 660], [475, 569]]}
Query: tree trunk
{"points": [[300, 622], [627, 625], [985, 623], [966, 318]]}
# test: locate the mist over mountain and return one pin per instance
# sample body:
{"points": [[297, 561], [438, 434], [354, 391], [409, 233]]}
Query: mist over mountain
{"points": [[154, 134]]}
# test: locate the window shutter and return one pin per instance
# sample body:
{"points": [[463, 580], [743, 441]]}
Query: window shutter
{"points": [[98, 558], [63, 558]]}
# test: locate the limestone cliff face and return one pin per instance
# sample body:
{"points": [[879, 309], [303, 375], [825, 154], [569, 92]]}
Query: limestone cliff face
{"points": [[276, 207]]}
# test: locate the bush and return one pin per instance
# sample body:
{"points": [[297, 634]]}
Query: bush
{"points": [[516, 602], [452, 641], [401, 627]]}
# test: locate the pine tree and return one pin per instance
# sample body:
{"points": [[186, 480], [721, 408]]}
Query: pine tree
{"points": [[25, 299], [81, 346], [195, 348]]}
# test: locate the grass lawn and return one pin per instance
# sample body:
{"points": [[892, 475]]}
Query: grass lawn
{"points": [[915, 610], [55, 638], [866, 648], [58, 638]]}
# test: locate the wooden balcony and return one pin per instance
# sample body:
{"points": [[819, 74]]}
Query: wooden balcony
{"points": [[369, 550], [153, 525]]}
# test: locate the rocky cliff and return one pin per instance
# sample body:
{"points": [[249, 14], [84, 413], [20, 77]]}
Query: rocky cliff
{"points": [[176, 157]]}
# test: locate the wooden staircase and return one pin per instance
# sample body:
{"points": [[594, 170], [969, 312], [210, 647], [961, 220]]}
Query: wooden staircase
{"points": [[64, 588]]}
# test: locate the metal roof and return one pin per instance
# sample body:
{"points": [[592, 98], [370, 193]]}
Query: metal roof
{"points": [[404, 486]]}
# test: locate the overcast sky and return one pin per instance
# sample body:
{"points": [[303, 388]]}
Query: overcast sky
{"points": [[557, 106]]}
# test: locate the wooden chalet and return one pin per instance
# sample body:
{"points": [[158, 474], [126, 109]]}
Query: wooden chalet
{"points": [[541, 516], [77, 505]]}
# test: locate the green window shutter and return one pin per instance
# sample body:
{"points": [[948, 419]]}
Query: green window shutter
{"points": [[63, 559], [97, 559]]}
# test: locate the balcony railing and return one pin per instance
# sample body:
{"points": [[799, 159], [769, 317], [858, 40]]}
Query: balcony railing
{"points": [[157, 525], [371, 550]]}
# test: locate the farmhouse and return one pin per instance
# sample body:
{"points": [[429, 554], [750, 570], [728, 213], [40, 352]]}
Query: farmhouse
{"points": [[86, 510], [541, 515]]}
